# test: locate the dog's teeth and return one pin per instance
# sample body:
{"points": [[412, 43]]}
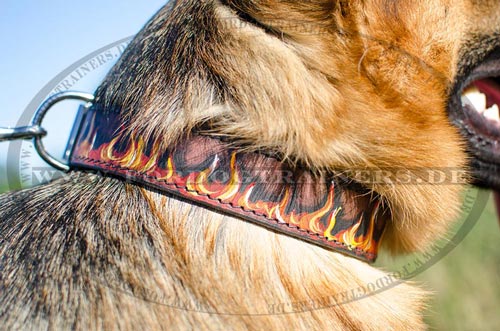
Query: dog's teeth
{"points": [[476, 98], [492, 113]]}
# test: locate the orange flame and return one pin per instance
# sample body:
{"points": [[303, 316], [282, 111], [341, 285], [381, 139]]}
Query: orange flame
{"points": [[134, 157], [230, 192], [225, 192], [170, 170], [312, 221], [331, 224], [364, 242], [306, 221]]}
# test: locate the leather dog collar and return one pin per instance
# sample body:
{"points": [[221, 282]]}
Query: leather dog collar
{"points": [[327, 211]]}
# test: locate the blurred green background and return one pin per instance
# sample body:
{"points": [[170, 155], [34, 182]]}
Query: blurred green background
{"points": [[465, 283]]}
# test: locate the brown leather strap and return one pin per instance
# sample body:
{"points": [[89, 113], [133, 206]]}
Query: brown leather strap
{"points": [[330, 212]]}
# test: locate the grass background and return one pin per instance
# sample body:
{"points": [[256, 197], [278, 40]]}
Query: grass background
{"points": [[465, 283]]}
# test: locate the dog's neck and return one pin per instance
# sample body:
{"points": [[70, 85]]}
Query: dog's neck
{"points": [[233, 85], [281, 88], [328, 211]]}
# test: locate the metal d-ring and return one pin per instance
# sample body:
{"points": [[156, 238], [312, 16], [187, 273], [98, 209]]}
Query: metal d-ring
{"points": [[40, 114]]}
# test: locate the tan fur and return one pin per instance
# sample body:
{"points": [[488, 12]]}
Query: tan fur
{"points": [[391, 64], [367, 88]]}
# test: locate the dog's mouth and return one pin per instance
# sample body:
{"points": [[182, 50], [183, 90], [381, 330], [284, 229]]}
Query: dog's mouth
{"points": [[474, 109], [480, 101]]}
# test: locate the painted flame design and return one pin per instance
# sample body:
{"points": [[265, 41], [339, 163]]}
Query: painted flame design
{"points": [[237, 193], [364, 242]]}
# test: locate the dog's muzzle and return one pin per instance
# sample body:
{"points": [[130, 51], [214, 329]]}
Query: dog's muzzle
{"points": [[474, 109]]}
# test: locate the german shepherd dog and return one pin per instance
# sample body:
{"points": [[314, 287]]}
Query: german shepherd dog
{"points": [[358, 84]]}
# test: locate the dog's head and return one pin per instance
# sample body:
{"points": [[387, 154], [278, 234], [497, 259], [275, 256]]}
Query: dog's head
{"points": [[337, 85]]}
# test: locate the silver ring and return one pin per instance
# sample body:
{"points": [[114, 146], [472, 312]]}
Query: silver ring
{"points": [[40, 114]]}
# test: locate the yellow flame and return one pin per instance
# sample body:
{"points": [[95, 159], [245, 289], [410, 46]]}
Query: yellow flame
{"points": [[229, 190], [282, 205], [363, 242], [277, 210], [170, 170], [270, 209], [349, 237], [294, 220], [234, 184], [153, 158], [107, 153], [331, 224], [202, 178], [367, 242], [133, 158], [245, 198], [315, 217]]}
